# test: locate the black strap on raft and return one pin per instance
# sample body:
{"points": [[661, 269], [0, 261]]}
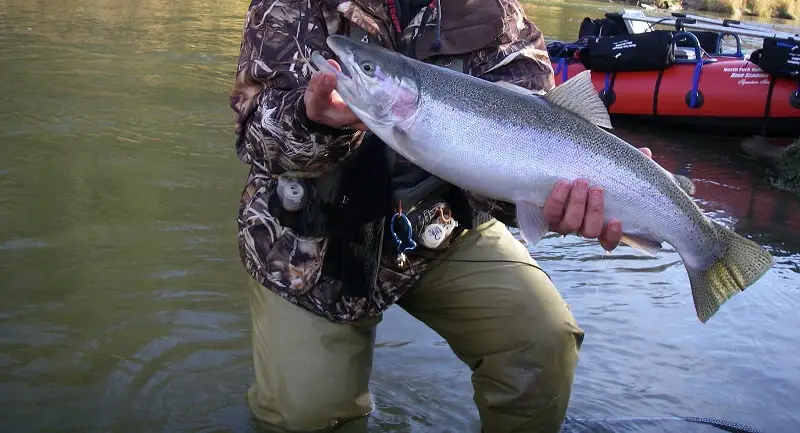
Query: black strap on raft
{"points": [[768, 106], [794, 101], [655, 92]]}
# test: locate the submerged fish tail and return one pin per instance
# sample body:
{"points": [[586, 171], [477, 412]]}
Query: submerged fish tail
{"points": [[741, 263]]}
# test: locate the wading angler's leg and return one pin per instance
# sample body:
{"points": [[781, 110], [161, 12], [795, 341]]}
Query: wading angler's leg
{"points": [[310, 373], [508, 323]]}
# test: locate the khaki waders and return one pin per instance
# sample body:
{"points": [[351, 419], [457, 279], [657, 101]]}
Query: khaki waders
{"points": [[506, 321]]}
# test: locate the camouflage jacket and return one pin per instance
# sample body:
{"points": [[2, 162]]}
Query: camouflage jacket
{"points": [[493, 39]]}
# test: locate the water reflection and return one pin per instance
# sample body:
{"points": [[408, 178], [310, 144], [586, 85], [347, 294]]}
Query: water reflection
{"points": [[124, 300], [730, 186]]}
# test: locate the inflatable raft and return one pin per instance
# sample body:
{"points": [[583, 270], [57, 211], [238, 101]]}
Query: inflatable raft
{"points": [[685, 77]]}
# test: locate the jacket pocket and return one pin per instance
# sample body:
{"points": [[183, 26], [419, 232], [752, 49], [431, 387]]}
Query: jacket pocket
{"points": [[286, 262]]}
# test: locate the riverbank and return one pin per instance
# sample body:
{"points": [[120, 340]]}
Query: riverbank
{"points": [[782, 9], [787, 169]]}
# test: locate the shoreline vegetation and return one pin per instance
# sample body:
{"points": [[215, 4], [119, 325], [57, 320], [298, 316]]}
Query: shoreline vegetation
{"points": [[781, 9], [786, 173], [783, 163]]}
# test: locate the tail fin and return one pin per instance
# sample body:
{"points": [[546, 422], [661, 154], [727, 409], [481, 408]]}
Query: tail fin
{"points": [[742, 263]]}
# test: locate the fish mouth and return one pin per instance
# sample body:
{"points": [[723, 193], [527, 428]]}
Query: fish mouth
{"points": [[339, 45], [349, 84], [322, 65], [339, 50]]}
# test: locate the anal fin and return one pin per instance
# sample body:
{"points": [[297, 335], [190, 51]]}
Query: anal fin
{"points": [[531, 221], [642, 243]]}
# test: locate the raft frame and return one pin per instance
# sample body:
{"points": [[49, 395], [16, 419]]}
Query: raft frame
{"points": [[780, 98]]}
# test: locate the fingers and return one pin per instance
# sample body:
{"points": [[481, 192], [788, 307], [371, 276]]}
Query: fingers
{"points": [[325, 106], [581, 209], [318, 95], [322, 85], [576, 208], [646, 151], [611, 235], [554, 205], [593, 221]]}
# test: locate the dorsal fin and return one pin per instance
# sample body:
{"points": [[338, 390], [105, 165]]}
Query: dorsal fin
{"points": [[579, 96]]}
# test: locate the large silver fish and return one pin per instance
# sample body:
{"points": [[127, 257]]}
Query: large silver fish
{"points": [[502, 143]]}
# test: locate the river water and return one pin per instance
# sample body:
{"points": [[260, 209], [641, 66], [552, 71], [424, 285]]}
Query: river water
{"points": [[124, 302]]}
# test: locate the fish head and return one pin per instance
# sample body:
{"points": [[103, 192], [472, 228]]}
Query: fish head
{"points": [[381, 87]]}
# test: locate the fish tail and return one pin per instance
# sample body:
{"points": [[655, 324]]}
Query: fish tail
{"points": [[741, 263]]}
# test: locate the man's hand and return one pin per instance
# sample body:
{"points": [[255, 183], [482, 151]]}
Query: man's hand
{"points": [[325, 106], [577, 208]]}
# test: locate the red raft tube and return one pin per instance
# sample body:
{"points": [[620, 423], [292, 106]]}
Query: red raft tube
{"points": [[680, 84]]}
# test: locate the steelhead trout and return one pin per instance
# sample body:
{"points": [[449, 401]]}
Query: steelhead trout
{"points": [[499, 142]]}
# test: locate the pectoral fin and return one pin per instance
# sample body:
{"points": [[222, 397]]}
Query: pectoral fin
{"points": [[418, 153], [400, 135], [531, 221]]}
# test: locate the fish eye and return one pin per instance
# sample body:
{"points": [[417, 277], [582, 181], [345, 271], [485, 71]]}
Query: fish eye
{"points": [[368, 68]]}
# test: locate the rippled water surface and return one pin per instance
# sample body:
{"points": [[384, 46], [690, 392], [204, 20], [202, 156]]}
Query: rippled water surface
{"points": [[124, 302]]}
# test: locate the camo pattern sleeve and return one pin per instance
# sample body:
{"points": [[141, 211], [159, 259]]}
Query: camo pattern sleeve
{"points": [[518, 56], [273, 131]]}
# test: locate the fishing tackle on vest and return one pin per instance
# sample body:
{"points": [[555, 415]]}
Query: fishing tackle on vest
{"points": [[401, 259], [291, 193], [434, 234]]}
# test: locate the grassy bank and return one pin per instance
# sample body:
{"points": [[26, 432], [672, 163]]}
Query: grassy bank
{"points": [[785, 9], [786, 174]]}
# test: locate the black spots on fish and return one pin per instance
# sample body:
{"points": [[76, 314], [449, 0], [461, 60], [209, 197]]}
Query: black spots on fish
{"points": [[737, 264], [469, 93], [508, 108]]}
